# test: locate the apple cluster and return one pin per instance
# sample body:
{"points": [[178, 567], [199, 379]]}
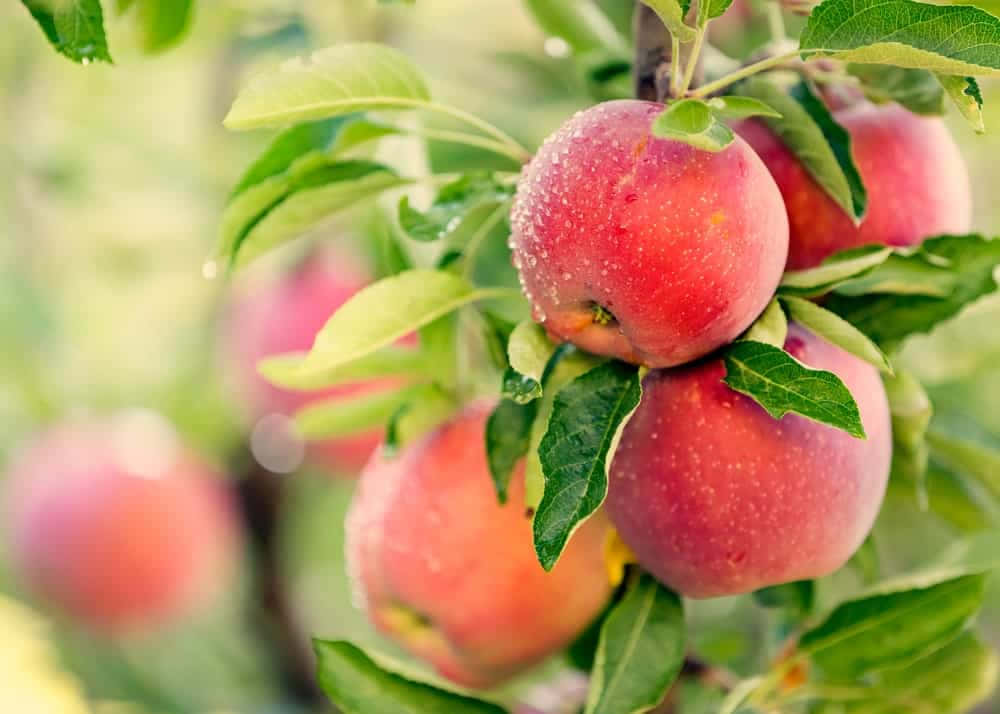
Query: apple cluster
{"points": [[651, 251]]}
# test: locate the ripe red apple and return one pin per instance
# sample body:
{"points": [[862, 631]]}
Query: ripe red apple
{"points": [[118, 527], [642, 248], [716, 497], [916, 179], [285, 317], [444, 569]]}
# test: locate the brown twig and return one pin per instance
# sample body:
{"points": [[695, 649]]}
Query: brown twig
{"points": [[261, 496], [708, 674], [652, 55]]}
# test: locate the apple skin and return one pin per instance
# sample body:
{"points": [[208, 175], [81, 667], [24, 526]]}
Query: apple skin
{"points": [[116, 546], [917, 183], [450, 574], [716, 497], [683, 247], [285, 316]]}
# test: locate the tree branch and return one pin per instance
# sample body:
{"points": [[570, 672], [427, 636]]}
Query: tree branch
{"points": [[652, 55], [261, 496]]}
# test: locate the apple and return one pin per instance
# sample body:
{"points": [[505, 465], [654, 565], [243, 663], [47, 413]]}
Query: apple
{"points": [[716, 497], [643, 248], [444, 569]]}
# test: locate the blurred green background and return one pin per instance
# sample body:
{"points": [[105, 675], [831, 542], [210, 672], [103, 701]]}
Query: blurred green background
{"points": [[112, 180]]}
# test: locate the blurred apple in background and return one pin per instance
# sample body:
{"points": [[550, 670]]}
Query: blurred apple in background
{"points": [[117, 526], [284, 316]]}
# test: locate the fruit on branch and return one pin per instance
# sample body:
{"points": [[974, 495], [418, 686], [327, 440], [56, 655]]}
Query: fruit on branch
{"points": [[285, 317], [444, 569], [114, 524], [642, 248], [716, 497], [916, 179]]}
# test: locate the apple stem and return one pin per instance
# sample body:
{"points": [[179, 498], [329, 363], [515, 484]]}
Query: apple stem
{"points": [[675, 66], [776, 22], [748, 71], [693, 57]]}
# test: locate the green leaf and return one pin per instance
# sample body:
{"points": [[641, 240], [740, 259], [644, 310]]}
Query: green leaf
{"points": [[331, 82], [715, 8], [834, 271], [424, 410], [952, 680], [810, 132], [587, 418], [477, 226], [252, 224], [75, 28], [508, 433], [948, 39], [453, 201], [528, 351], [330, 135], [736, 107], [640, 651], [567, 364], [956, 499], [582, 651], [771, 327], [385, 311], [519, 388], [840, 144], [342, 416], [163, 22], [967, 455], [285, 370], [277, 208], [889, 319], [866, 560], [581, 23], [900, 274], [911, 412], [964, 92], [438, 345], [357, 685], [391, 256], [835, 330], [797, 597], [781, 384], [916, 89], [693, 122], [671, 13], [890, 629], [905, 617]]}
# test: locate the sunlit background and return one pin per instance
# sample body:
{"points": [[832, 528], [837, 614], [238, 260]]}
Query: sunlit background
{"points": [[112, 180]]}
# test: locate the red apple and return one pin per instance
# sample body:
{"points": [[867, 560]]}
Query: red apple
{"points": [[117, 526], [916, 179], [285, 317], [642, 248], [452, 575], [716, 497]]}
